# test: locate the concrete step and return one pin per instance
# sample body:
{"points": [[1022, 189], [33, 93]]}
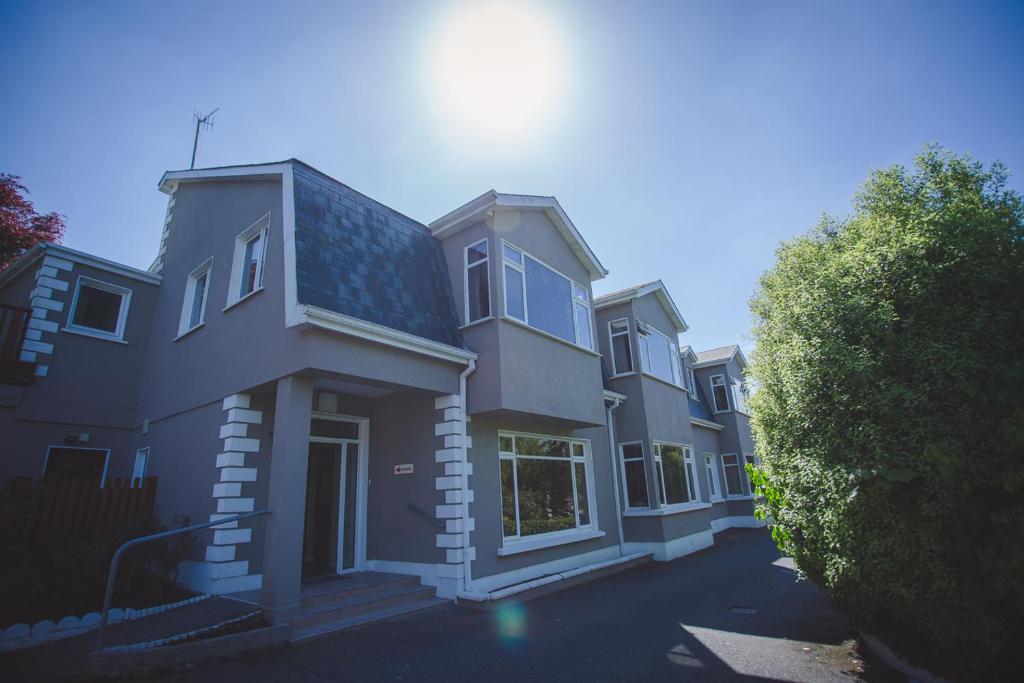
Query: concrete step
{"points": [[329, 592], [358, 605], [328, 628]]}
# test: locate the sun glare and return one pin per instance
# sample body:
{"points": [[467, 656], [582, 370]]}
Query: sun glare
{"points": [[499, 68]]}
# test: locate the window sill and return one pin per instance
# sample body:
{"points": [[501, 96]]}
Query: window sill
{"points": [[516, 547], [94, 335], [667, 510], [622, 374], [741, 497], [663, 381], [190, 331], [717, 500], [244, 298], [476, 322], [531, 328]]}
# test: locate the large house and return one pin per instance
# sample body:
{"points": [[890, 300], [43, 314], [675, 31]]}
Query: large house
{"points": [[448, 401]]}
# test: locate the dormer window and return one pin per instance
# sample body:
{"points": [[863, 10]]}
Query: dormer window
{"points": [[739, 396], [622, 354], [545, 299], [691, 383], [477, 282], [719, 393], [659, 357]]}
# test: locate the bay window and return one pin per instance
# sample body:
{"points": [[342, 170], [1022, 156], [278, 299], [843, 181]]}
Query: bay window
{"points": [[676, 474], [634, 474], [546, 485], [733, 483], [545, 299], [719, 393], [477, 282], [659, 356], [622, 353]]}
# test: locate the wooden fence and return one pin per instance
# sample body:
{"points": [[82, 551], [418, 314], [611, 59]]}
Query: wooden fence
{"points": [[76, 508]]}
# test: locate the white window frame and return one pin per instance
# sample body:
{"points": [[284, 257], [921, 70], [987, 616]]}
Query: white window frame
{"points": [[122, 316], [622, 469], [711, 467], [572, 460], [695, 499], [574, 300], [725, 482], [739, 395], [484, 263], [184, 327], [714, 399], [106, 460], [750, 459], [646, 329], [260, 228], [691, 382], [142, 453], [629, 344]]}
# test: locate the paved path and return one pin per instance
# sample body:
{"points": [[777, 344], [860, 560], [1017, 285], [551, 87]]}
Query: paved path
{"points": [[690, 619]]}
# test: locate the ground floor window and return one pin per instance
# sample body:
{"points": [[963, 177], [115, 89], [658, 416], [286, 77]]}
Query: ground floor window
{"points": [[676, 474], [76, 463], [140, 467], [714, 488], [546, 484], [752, 461], [634, 474], [731, 465]]}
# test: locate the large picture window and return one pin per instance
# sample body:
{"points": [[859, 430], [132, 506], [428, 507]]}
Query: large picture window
{"points": [[731, 465], [99, 309], [634, 474], [478, 282], [546, 484], [622, 352], [719, 393], [659, 356], [543, 298], [676, 474]]}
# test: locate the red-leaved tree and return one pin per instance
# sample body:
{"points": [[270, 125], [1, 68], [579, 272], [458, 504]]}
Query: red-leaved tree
{"points": [[20, 226]]}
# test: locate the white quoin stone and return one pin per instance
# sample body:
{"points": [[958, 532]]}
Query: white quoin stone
{"points": [[44, 325], [243, 415], [449, 401], [232, 490], [223, 570], [237, 443], [58, 263], [442, 428], [236, 401], [456, 468], [46, 302], [450, 571], [456, 440], [52, 282], [228, 525], [449, 540], [230, 459], [232, 536], [444, 483], [235, 504], [234, 429], [452, 414], [447, 454], [238, 474], [220, 553], [447, 511]]}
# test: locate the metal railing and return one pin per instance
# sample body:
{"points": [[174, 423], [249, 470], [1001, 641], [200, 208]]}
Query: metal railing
{"points": [[112, 575], [419, 512]]}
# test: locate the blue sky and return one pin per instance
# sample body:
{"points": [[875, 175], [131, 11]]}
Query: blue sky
{"points": [[685, 140]]}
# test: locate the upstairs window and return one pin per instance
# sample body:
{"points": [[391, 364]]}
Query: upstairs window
{"points": [[99, 309], [659, 356], [249, 261], [731, 465], [477, 282], [739, 396], [676, 473], [634, 474], [545, 299], [719, 393], [691, 383], [193, 309], [622, 353]]}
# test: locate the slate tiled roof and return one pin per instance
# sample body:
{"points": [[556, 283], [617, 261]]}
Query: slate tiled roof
{"points": [[357, 257], [721, 353]]}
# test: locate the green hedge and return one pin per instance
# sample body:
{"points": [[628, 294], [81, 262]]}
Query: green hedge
{"points": [[889, 417]]}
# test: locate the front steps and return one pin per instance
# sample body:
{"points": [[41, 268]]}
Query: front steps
{"points": [[342, 603]]}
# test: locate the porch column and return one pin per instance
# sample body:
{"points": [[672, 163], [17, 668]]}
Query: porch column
{"points": [[282, 559]]}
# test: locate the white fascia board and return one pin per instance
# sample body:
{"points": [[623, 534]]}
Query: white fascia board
{"points": [[329, 320], [697, 422], [462, 217], [50, 249], [658, 289], [170, 179], [689, 354]]}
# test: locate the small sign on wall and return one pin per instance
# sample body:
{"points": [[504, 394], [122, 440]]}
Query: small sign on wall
{"points": [[403, 469]]}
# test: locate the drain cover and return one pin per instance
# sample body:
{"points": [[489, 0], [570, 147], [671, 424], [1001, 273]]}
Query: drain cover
{"points": [[743, 610]]}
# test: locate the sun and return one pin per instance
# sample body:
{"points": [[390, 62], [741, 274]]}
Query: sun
{"points": [[499, 68]]}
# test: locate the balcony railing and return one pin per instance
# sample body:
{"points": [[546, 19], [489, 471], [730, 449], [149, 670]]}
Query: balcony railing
{"points": [[13, 325]]}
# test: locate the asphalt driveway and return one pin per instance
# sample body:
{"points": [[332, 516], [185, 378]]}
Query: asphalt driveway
{"points": [[734, 612]]}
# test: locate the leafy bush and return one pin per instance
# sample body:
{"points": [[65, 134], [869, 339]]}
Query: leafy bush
{"points": [[890, 413], [49, 576]]}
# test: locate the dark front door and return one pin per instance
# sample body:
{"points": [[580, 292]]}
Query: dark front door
{"points": [[323, 497]]}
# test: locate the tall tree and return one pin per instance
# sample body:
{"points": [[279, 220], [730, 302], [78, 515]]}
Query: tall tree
{"points": [[21, 226], [890, 418]]}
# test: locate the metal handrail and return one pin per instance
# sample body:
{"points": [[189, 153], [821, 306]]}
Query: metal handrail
{"points": [[426, 515], [112, 575]]}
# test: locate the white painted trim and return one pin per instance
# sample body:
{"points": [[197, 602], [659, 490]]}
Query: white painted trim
{"points": [[122, 314], [677, 547], [628, 333], [45, 249], [548, 335], [320, 317], [673, 354], [666, 510], [484, 263], [486, 584], [291, 296], [714, 399], [657, 288], [719, 494], [260, 228], [736, 521], [706, 424], [549, 540], [205, 268], [725, 481], [622, 467], [171, 179], [106, 460], [687, 450]]}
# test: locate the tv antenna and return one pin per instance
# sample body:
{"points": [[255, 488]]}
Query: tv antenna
{"points": [[202, 120]]}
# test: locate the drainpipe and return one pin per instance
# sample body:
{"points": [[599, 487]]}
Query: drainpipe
{"points": [[467, 576], [613, 450]]}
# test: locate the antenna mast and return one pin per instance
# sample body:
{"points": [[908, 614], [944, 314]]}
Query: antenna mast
{"points": [[201, 120]]}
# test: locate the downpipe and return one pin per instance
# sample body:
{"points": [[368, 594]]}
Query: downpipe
{"points": [[467, 575], [613, 452]]}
